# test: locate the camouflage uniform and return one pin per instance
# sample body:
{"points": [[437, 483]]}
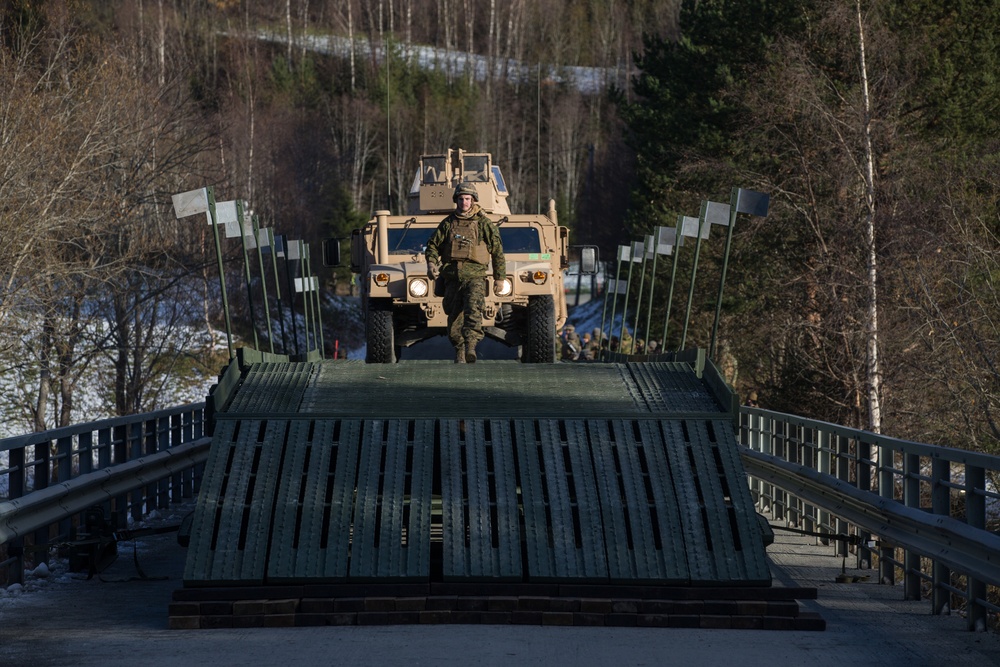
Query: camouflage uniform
{"points": [[465, 280], [625, 341], [585, 351], [573, 344], [594, 346]]}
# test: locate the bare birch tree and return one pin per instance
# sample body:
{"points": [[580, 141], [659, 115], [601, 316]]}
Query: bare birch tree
{"points": [[873, 369]]}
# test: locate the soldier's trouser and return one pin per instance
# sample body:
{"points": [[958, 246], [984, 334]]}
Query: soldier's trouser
{"points": [[464, 302]]}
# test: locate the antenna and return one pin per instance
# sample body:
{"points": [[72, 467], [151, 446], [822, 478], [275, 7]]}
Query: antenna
{"points": [[538, 140], [388, 129]]}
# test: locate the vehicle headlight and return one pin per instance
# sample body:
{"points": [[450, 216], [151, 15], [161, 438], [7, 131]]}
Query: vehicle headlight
{"points": [[418, 287], [539, 277], [506, 287], [381, 279]]}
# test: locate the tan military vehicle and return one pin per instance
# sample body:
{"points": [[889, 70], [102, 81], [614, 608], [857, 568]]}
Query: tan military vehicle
{"points": [[404, 306]]}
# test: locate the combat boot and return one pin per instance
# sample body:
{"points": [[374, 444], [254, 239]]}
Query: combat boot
{"points": [[470, 353], [460, 355]]}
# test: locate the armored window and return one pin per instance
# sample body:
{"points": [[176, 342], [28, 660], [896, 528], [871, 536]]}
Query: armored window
{"points": [[498, 177], [409, 240], [476, 168], [434, 170], [520, 239]]}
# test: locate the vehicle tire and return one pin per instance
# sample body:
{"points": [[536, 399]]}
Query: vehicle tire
{"points": [[379, 333], [541, 330]]}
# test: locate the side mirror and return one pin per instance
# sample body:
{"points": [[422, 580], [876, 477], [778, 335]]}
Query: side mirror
{"points": [[589, 258], [331, 252]]}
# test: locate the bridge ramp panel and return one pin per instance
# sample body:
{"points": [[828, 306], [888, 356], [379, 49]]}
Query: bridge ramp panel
{"points": [[642, 524], [561, 511], [232, 522], [725, 540], [315, 502], [389, 539], [479, 504]]}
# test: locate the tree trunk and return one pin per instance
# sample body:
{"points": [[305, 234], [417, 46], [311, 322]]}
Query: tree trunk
{"points": [[470, 25], [490, 50], [67, 362], [162, 47], [305, 28], [873, 370], [288, 32], [44, 376], [350, 42], [122, 336], [409, 28]]}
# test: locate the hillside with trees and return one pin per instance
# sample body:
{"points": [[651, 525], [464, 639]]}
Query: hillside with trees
{"points": [[867, 296]]}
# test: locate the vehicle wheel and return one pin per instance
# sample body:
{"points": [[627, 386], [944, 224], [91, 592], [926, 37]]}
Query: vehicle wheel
{"points": [[541, 330], [506, 313], [380, 337]]}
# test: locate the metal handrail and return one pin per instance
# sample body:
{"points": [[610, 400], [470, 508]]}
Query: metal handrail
{"points": [[28, 439], [134, 464], [849, 481], [950, 541], [19, 518]]}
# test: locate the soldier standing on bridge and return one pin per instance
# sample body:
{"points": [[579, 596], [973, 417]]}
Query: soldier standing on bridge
{"points": [[460, 251]]}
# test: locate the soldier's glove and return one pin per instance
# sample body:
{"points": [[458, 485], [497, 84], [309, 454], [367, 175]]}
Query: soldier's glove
{"points": [[498, 287], [433, 270]]}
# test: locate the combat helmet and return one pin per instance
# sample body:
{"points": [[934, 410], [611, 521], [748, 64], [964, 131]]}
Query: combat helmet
{"points": [[465, 188]]}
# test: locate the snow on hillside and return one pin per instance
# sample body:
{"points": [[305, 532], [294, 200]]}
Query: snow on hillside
{"points": [[588, 80]]}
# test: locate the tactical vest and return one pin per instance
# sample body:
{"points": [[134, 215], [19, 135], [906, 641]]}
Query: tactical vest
{"points": [[465, 242]]}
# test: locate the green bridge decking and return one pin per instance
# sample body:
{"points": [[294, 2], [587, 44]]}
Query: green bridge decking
{"points": [[340, 472]]}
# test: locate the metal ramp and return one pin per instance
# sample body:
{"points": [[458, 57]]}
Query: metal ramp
{"points": [[422, 473]]}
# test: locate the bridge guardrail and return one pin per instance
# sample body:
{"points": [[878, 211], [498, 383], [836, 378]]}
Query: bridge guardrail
{"points": [[129, 464], [926, 501]]}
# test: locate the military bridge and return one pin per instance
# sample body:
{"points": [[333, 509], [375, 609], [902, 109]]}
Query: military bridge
{"points": [[458, 484]]}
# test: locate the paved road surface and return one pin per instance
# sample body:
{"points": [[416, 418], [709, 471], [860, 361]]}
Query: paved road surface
{"points": [[122, 620]]}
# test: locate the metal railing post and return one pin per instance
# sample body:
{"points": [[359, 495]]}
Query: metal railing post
{"points": [[767, 447], [15, 487], [85, 452], [823, 460], [133, 505], [43, 454], [64, 471], [162, 445], [863, 482], [975, 516], [911, 498], [781, 451], [842, 527], [941, 505]]}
